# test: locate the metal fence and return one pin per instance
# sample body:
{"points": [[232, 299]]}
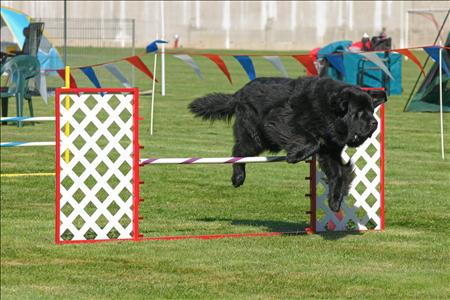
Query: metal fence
{"points": [[91, 41]]}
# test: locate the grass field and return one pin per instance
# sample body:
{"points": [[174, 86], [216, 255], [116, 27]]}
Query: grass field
{"points": [[410, 259]]}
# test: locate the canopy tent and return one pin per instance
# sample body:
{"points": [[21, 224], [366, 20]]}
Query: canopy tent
{"points": [[13, 22], [426, 99], [380, 69]]}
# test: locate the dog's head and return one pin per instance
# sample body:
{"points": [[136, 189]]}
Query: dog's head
{"points": [[355, 109]]}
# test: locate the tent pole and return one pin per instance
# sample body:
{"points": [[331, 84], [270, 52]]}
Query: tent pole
{"points": [[426, 61], [153, 93], [163, 52], [440, 102]]}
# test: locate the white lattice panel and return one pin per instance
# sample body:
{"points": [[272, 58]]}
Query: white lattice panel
{"points": [[96, 182], [361, 210]]}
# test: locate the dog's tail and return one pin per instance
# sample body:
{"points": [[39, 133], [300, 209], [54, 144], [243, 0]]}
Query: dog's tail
{"points": [[213, 107]]}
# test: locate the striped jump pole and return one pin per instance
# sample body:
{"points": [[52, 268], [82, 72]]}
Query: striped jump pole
{"points": [[212, 160], [26, 119], [26, 144]]}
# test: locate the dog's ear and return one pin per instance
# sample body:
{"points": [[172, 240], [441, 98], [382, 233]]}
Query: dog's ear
{"points": [[339, 101], [378, 97]]}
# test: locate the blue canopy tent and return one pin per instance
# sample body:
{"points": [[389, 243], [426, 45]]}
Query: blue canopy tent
{"points": [[362, 69], [13, 22]]}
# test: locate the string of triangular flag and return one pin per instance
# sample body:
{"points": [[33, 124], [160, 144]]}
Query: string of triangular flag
{"points": [[245, 60]]}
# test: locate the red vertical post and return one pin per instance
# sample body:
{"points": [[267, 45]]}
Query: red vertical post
{"points": [[382, 166], [58, 167], [312, 195], [135, 164]]}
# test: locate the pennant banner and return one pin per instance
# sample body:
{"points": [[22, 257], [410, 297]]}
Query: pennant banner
{"points": [[138, 63], [89, 72], [220, 63], [337, 61], [61, 73], [276, 62], [373, 57], [411, 56], [433, 52], [153, 46], [116, 73], [308, 63], [187, 59], [247, 64]]}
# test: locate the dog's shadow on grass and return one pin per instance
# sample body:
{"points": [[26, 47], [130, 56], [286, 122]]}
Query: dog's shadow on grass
{"points": [[287, 228]]}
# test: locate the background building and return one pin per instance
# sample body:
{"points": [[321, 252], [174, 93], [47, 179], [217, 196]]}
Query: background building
{"points": [[276, 25]]}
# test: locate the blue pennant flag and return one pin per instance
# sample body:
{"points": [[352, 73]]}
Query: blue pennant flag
{"points": [[433, 52], [247, 64], [337, 61], [89, 72], [153, 46]]}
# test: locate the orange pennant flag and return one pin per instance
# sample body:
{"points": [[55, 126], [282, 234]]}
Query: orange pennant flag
{"points": [[62, 74], [409, 54], [138, 63], [307, 62], [220, 63]]}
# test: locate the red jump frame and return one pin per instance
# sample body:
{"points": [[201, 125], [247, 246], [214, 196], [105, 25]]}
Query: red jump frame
{"points": [[135, 234]]}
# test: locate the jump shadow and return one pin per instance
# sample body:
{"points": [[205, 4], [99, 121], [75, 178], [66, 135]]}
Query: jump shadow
{"points": [[287, 228], [336, 235], [273, 226]]}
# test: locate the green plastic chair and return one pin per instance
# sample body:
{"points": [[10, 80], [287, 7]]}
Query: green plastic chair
{"points": [[20, 69]]}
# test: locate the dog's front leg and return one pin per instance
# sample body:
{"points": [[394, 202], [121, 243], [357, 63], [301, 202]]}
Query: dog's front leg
{"points": [[300, 147], [339, 175]]}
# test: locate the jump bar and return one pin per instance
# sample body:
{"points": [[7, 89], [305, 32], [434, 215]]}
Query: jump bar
{"points": [[26, 119], [213, 160], [26, 144]]}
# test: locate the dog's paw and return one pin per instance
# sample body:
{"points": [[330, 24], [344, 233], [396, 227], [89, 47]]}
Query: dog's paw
{"points": [[295, 157], [238, 179], [292, 158], [335, 202]]}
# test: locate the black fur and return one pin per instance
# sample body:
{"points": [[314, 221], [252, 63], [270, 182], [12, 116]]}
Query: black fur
{"points": [[304, 116]]}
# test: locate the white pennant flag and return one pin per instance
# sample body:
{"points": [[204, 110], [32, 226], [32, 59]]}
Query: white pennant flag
{"points": [[116, 73], [373, 57], [43, 87], [187, 59], [276, 62]]}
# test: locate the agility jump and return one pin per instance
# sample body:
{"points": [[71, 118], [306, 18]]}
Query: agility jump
{"points": [[103, 148]]}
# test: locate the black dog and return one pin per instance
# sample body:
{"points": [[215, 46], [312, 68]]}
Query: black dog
{"points": [[303, 116]]}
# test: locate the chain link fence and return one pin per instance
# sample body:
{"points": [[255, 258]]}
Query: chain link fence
{"points": [[91, 41]]}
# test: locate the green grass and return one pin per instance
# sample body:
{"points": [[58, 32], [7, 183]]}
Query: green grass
{"points": [[410, 259]]}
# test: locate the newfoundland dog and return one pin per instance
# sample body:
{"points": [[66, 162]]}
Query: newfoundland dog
{"points": [[303, 116]]}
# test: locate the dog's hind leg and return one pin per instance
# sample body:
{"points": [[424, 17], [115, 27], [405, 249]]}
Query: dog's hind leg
{"points": [[247, 143], [239, 150]]}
